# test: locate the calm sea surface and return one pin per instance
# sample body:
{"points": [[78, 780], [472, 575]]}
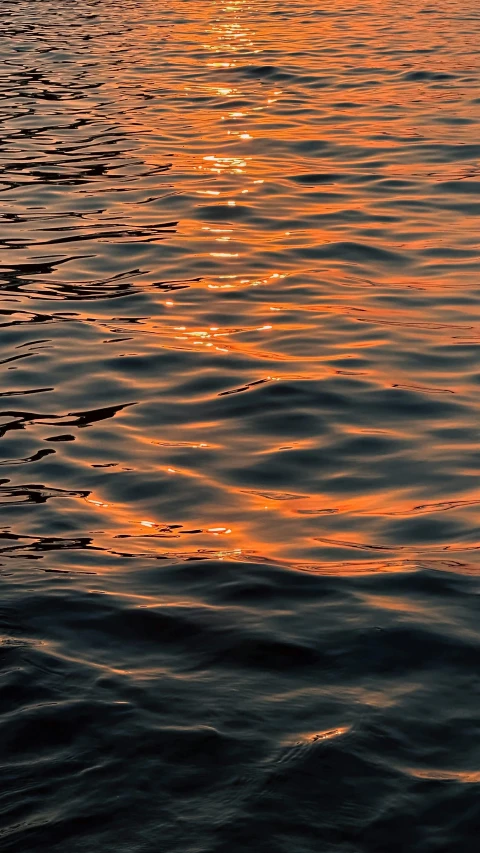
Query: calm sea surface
{"points": [[240, 426]]}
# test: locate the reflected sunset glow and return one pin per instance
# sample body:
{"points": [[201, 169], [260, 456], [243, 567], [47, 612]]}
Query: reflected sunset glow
{"points": [[239, 426]]}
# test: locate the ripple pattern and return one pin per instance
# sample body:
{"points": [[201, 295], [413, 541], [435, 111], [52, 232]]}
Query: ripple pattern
{"points": [[239, 426]]}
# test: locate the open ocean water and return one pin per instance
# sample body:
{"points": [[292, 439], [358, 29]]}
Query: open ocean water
{"points": [[240, 426]]}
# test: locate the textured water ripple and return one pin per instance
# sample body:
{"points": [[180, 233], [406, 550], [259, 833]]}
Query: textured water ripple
{"points": [[239, 425]]}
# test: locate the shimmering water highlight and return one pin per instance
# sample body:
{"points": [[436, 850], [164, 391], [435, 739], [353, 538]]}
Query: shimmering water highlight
{"points": [[239, 426]]}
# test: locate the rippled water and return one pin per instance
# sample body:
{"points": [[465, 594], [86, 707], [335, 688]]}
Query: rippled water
{"points": [[240, 426]]}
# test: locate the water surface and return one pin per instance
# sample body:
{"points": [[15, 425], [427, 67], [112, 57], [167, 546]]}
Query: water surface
{"points": [[240, 425]]}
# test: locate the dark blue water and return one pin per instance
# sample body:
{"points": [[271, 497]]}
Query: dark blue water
{"points": [[239, 426]]}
